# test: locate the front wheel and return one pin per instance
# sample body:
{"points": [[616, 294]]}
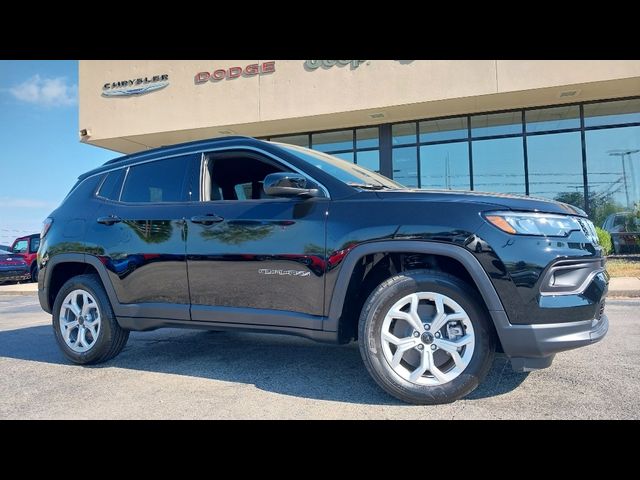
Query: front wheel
{"points": [[425, 337], [84, 324], [34, 272]]}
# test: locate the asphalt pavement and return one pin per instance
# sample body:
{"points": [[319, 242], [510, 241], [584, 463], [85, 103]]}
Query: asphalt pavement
{"points": [[201, 374]]}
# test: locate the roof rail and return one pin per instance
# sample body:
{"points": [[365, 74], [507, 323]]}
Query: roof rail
{"points": [[185, 144]]}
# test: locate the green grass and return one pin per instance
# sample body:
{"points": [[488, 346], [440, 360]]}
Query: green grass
{"points": [[623, 268]]}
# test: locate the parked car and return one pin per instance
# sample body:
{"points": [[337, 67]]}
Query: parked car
{"points": [[6, 248], [241, 234], [13, 268], [27, 248], [624, 228]]}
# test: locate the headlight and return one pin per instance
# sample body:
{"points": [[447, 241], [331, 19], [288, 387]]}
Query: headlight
{"points": [[542, 224]]}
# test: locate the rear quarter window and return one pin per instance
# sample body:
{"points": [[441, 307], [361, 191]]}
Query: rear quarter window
{"points": [[111, 185]]}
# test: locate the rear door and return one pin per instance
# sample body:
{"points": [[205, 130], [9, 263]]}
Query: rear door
{"points": [[252, 257], [141, 234]]}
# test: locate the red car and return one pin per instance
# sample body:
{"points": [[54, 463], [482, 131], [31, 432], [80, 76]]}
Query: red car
{"points": [[27, 248]]}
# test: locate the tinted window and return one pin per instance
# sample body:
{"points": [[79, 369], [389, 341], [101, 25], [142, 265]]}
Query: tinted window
{"points": [[556, 118], [445, 166], [498, 165], [160, 181], [35, 244], [331, 141], [111, 186], [611, 113], [496, 124], [444, 129]]}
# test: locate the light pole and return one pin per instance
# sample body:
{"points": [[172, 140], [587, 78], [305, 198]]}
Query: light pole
{"points": [[621, 154]]}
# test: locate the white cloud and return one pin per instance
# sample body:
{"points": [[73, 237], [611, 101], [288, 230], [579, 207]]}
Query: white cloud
{"points": [[49, 92], [8, 202]]}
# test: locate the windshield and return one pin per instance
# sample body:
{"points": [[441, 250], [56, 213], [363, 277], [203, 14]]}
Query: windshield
{"points": [[344, 171], [20, 246]]}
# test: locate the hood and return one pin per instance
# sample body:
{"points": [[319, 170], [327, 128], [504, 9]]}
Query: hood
{"points": [[491, 200]]}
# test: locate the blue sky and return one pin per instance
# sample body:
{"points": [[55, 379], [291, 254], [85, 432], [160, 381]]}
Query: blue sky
{"points": [[40, 154]]}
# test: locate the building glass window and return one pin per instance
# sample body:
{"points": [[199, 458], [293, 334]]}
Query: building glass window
{"points": [[555, 167], [613, 166], [612, 113], [300, 140], [445, 166], [506, 123], [444, 129], [332, 141], [367, 138], [405, 166], [556, 118], [498, 165], [369, 159], [404, 133]]}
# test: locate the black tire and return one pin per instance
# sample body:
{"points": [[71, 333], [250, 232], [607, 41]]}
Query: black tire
{"points": [[34, 272], [370, 326], [111, 338]]}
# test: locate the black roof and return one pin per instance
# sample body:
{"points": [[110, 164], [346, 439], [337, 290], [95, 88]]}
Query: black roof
{"points": [[172, 149]]}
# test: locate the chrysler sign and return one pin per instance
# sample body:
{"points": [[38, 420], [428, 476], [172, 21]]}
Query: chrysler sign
{"points": [[135, 86]]}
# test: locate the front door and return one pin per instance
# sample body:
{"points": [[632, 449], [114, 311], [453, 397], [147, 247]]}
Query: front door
{"points": [[254, 259]]}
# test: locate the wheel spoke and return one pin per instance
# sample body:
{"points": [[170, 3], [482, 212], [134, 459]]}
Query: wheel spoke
{"points": [[402, 348], [391, 338], [93, 330], [457, 359], [415, 320], [425, 362], [449, 346], [68, 327], [81, 340], [437, 373], [73, 307], [86, 306]]}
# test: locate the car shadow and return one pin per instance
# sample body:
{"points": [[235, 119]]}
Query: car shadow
{"points": [[274, 363]]}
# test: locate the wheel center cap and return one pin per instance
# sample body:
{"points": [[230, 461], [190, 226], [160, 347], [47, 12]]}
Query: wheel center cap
{"points": [[427, 338], [81, 320]]}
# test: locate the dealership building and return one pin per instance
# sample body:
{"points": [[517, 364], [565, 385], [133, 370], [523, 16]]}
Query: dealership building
{"points": [[567, 130]]}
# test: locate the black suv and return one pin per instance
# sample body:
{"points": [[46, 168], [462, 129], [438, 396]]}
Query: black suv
{"points": [[238, 233]]}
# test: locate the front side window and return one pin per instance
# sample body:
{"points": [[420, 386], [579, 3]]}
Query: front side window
{"points": [[157, 182], [236, 176]]}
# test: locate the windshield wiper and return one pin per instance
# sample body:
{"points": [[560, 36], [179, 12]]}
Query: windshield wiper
{"points": [[367, 186]]}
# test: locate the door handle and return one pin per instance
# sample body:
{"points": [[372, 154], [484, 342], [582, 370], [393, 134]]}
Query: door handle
{"points": [[206, 219], [109, 220]]}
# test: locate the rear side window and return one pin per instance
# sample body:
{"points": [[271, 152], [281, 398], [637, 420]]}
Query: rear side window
{"points": [[111, 186], [35, 244], [161, 181]]}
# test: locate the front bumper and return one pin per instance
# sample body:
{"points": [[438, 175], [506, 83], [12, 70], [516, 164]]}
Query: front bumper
{"points": [[14, 276], [531, 347]]}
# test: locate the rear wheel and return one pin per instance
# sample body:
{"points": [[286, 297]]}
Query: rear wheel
{"points": [[84, 324], [425, 338]]}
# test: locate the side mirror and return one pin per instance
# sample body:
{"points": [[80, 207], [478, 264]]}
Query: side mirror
{"points": [[283, 184]]}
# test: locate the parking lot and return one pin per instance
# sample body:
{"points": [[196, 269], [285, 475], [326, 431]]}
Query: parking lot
{"points": [[201, 374]]}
